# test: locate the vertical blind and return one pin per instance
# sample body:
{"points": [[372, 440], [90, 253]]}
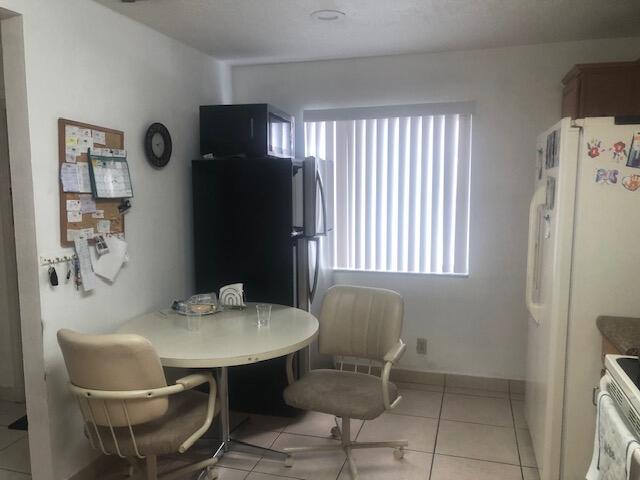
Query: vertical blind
{"points": [[401, 188]]}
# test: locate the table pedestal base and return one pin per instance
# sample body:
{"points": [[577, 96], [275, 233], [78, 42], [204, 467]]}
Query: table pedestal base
{"points": [[228, 444]]}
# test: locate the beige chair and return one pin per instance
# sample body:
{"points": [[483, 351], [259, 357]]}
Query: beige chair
{"points": [[364, 323], [127, 406]]}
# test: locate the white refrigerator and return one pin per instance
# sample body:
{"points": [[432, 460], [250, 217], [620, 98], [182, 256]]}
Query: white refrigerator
{"points": [[583, 261]]}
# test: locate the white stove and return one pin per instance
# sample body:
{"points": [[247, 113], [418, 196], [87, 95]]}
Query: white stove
{"points": [[622, 381]]}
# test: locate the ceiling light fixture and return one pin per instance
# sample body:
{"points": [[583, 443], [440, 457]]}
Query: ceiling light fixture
{"points": [[328, 15]]}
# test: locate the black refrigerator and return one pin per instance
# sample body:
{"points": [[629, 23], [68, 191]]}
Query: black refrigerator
{"points": [[257, 215], [245, 231]]}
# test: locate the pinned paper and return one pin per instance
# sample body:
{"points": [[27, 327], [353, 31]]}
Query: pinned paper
{"points": [[109, 264], [104, 226], [101, 152], [72, 233], [85, 143], [84, 181], [98, 214], [84, 258], [73, 205], [74, 217], [75, 177], [71, 154], [69, 177], [71, 135], [116, 152], [87, 204], [99, 137]]}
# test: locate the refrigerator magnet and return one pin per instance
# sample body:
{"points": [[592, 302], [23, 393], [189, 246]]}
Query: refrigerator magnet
{"points": [[551, 193], [540, 162], [607, 177], [631, 183], [594, 148], [633, 160], [619, 151]]}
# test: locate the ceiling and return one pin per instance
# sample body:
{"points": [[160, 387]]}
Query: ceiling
{"points": [[264, 31]]}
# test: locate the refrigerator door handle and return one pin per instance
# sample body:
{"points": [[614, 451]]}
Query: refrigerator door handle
{"points": [[314, 285], [538, 200], [323, 203]]}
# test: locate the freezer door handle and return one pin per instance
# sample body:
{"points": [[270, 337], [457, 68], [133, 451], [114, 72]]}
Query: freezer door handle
{"points": [[323, 205], [538, 200]]}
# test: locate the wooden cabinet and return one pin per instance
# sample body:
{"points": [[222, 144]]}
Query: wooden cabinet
{"points": [[602, 89]]}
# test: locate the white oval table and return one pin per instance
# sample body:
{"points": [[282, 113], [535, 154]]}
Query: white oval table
{"points": [[225, 339]]}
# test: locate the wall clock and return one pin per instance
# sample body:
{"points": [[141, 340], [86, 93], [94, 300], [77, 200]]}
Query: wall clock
{"points": [[157, 145]]}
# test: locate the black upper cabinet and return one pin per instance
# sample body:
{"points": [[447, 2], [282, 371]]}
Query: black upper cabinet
{"points": [[253, 130]]}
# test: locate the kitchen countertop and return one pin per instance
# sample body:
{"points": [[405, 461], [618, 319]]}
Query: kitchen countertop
{"points": [[622, 332]]}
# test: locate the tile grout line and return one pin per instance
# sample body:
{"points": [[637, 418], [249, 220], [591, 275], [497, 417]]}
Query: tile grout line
{"points": [[435, 442], [13, 443], [515, 432], [5, 469], [262, 456], [478, 459]]}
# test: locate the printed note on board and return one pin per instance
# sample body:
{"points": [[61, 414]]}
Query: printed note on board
{"points": [[99, 137], [84, 257]]}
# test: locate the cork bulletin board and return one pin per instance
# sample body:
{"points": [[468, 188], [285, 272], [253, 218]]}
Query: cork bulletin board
{"points": [[106, 210]]}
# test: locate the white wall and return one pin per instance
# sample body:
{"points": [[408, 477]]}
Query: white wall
{"points": [[474, 325], [87, 63]]}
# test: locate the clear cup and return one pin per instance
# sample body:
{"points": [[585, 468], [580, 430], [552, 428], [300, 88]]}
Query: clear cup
{"points": [[194, 322], [264, 314]]}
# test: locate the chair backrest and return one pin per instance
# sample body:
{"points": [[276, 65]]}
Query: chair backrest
{"points": [[114, 363], [360, 322]]}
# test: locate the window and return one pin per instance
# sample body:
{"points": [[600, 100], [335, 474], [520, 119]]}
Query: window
{"points": [[401, 185]]}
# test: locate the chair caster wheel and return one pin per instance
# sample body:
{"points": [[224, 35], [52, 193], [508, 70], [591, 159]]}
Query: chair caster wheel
{"points": [[335, 433], [398, 453], [288, 462]]}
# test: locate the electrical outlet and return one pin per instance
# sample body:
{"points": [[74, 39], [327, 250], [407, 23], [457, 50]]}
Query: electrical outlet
{"points": [[421, 346]]}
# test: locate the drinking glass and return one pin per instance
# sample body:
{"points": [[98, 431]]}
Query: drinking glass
{"points": [[194, 322], [264, 314]]}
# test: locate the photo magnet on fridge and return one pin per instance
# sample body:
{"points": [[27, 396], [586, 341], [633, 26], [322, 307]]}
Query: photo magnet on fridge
{"points": [[607, 177], [594, 148], [551, 193], [631, 183], [619, 151], [633, 160]]}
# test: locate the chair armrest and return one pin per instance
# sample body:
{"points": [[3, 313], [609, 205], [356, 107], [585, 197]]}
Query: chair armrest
{"points": [[191, 381], [125, 394], [194, 380], [390, 358], [396, 352]]}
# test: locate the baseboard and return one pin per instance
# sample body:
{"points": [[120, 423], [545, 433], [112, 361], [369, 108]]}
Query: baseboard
{"points": [[445, 380]]}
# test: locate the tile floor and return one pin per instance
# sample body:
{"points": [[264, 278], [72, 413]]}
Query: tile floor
{"points": [[454, 433], [14, 444]]}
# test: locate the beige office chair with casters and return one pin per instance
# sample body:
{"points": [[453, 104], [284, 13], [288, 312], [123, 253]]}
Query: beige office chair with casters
{"points": [[127, 406], [364, 323]]}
